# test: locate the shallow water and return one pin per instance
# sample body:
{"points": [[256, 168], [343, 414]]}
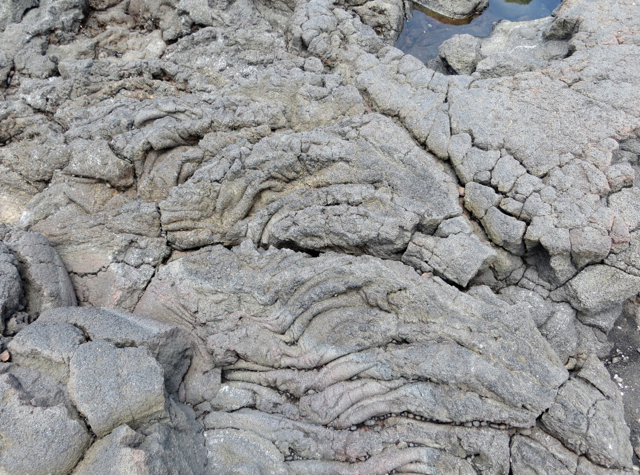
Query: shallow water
{"points": [[423, 33]]}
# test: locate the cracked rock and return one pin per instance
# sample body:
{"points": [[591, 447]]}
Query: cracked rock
{"points": [[38, 439], [112, 386]]}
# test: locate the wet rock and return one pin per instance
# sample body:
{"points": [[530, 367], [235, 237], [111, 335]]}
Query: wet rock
{"points": [[112, 386], [455, 8]]}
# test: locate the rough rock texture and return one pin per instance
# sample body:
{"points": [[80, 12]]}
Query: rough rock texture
{"points": [[342, 261], [512, 47], [40, 436]]}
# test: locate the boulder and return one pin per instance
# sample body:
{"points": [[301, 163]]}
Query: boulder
{"points": [[37, 439], [111, 386], [170, 345], [588, 417], [456, 9], [47, 348]]}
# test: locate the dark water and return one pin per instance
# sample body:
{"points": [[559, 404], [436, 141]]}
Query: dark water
{"points": [[423, 34]]}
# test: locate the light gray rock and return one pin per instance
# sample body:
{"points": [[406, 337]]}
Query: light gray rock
{"points": [[169, 345], [107, 241], [47, 348], [111, 386], [116, 453], [475, 165], [479, 198], [237, 451], [322, 444], [539, 452], [504, 230], [43, 274], [461, 52], [457, 258], [298, 125], [588, 417], [323, 211], [599, 288], [329, 341], [620, 175], [173, 447], [627, 260], [37, 439], [11, 292], [505, 173], [94, 159], [624, 204], [514, 47], [12, 11]]}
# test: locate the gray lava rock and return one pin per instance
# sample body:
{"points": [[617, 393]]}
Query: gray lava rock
{"points": [[45, 279], [134, 133], [599, 288], [270, 195], [174, 447], [462, 53], [12, 11], [319, 338], [94, 159], [457, 258], [231, 451], [37, 439], [504, 230], [169, 345], [112, 386], [11, 293], [588, 417], [47, 348]]}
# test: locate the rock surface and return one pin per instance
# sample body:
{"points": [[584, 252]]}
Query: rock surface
{"points": [[340, 260]]}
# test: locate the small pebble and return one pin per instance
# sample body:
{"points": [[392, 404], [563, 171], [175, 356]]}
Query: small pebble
{"points": [[369, 422], [615, 360], [476, 424], [5, 356], [353, 428]]}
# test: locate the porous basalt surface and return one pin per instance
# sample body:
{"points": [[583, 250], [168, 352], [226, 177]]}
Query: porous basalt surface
{"points": [[254, 237]]}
